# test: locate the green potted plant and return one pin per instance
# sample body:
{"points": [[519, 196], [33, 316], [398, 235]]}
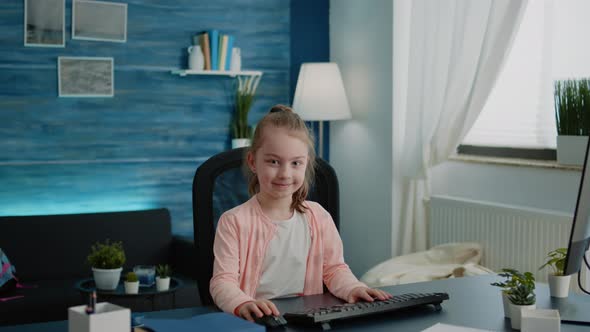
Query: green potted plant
{"points": [[163, 273], [131, 283], [505, 288], [559, 284], [106, 260], [572, 117], [521, 295], [241, 131]]}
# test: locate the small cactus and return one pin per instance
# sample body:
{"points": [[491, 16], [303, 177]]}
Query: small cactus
{"points": [[131, 277]]}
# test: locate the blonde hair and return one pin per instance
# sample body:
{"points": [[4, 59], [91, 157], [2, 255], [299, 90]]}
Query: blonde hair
{"points": [[281, 116]]}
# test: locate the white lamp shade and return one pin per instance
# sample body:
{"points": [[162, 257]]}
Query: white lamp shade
{"points": [[320, 95]]}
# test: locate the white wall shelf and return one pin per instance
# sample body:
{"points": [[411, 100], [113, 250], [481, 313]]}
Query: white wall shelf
{"points": [[184, 72]]}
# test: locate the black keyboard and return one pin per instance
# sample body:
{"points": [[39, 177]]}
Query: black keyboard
{"points": [[351, 310]]}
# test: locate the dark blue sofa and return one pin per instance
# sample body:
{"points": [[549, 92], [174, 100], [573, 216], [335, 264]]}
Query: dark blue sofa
{"points": [[50, 251]]}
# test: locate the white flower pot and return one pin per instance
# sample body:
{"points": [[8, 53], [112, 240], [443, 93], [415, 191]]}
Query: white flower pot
{"points": [[106, 279], [240, 142], [131, 287], [506, 304], [571, 150], [162, 284], [516, 314], [559, 286], [195, 58]]}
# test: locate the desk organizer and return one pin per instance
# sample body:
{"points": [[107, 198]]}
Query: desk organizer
{"points": [[540, 320], [107, 317]]}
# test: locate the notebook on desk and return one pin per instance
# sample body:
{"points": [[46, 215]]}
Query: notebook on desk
{"points": [[440, 327], [218, 321]]}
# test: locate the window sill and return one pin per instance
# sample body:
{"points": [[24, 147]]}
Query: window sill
{"points": [[514, 162]]}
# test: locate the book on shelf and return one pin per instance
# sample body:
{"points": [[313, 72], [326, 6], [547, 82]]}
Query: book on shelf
{"points": [[204, 42], [214, 46], [222, 51], [228, 52], [217, 49]]}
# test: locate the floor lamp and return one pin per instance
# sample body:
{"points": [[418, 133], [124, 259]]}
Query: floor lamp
{"points": [[320, 96]]}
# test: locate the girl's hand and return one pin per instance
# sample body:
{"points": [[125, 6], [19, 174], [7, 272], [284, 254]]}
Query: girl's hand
{"points": [[367, 294], [258, 308]]}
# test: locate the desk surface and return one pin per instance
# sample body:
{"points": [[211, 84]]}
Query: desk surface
{"points": [[473, 303]]}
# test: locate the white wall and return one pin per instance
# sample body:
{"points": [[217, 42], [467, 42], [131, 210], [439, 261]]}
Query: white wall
{"points": [[360, 149], [542, 188]]}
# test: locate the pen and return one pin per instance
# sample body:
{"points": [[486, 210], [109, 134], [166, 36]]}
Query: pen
{"points": [[94, 301], [89, 309]]}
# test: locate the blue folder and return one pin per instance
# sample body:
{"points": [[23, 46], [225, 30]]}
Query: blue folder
{"points": [[230, 45], [218, 321]]}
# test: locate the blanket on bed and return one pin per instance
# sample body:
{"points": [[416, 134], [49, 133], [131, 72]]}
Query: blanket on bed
{"points": [[448, 260]]}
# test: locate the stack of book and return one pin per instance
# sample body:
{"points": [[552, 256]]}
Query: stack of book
{"points": [[217, 49]]}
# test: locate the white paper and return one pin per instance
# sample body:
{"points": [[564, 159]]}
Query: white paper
{"points": [[439, 327]]}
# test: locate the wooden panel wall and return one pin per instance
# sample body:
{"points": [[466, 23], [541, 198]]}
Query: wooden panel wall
{"points": [[141, 148]]}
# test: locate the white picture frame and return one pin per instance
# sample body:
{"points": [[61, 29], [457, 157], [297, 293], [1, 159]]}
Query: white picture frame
{"points": [[85, 76], [99, 21], [45, 23]]}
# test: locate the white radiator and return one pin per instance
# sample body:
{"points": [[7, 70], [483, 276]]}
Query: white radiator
{"points": [[511, 236]]}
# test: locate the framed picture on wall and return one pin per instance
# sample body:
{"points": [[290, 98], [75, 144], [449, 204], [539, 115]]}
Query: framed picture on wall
{"points": [[99, 20], [85, 77], [45, 22]]}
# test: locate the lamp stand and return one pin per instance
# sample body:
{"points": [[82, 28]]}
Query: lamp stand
{"points": [[321, 139]]}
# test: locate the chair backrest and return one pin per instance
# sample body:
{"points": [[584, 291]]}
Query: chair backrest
{"points": [[220, 184]]}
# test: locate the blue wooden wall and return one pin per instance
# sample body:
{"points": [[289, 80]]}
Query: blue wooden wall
{"points": [[310, 42], [141, 148]]}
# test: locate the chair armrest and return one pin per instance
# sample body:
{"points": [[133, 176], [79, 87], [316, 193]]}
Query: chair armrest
{"points": [[184, 258]]}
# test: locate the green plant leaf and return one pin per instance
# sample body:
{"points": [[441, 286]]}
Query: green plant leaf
{"points": [[163, 271], [244, 99], [572, 106], [556, 260], [106, 255]]}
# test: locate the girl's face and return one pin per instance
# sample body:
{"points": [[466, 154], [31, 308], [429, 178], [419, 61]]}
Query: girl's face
{"points": [[279, 163]]}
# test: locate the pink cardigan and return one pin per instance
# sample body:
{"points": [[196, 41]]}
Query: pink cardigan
{"points": [[243, 234]]}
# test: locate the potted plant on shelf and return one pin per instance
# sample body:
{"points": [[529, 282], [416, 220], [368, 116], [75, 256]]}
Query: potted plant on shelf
{"points": [[241, 131], [559, 284], [522, 296], [505, 288], [106, 260], [131, 283], [572, 115], [163, 273]]}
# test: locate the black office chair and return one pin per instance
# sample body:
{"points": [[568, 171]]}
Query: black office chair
{"points": [[220, 184]]}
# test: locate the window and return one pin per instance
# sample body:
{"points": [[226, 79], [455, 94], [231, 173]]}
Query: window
{"points": [[550, 45]]}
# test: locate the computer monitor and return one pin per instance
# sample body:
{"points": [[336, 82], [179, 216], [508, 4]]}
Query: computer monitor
{"points": [[580, 234]]}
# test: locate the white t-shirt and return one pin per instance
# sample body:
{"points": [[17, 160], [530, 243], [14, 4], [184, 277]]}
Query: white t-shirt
{"points": [[285, 261]]}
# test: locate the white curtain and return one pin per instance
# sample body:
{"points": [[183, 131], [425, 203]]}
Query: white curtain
{"points": [[447, 56]]}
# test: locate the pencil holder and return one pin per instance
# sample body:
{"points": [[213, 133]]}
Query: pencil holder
{"points": [[106, 317]]}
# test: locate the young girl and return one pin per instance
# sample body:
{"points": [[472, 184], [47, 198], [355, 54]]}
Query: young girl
{"points": [[277, 244]]}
